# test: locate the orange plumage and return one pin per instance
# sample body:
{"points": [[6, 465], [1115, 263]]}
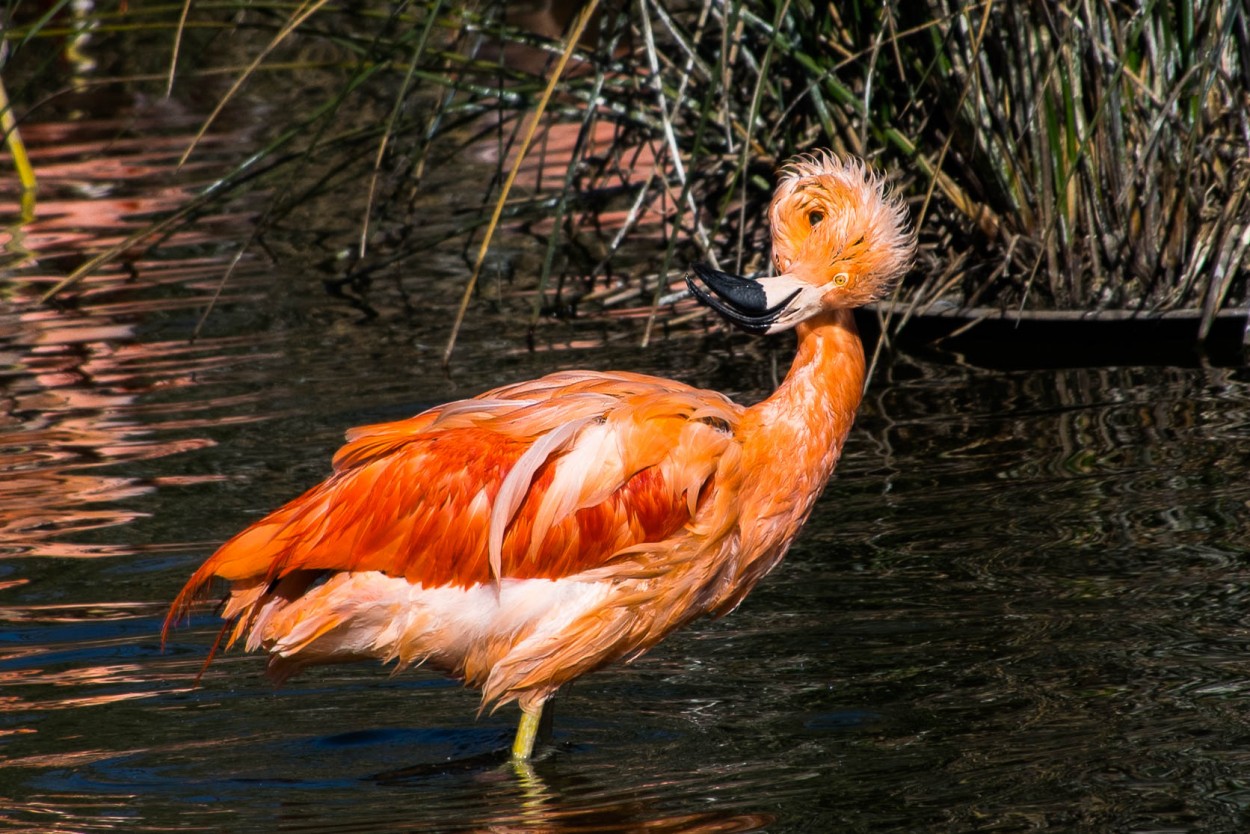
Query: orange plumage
{"points": [[521, 538]]}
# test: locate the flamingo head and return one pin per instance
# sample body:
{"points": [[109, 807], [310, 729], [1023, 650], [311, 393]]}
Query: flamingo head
{"points": [[839, 241]]}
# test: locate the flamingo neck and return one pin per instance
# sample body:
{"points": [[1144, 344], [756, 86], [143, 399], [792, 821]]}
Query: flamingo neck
{"points": [[808, 417], [790, 444]]}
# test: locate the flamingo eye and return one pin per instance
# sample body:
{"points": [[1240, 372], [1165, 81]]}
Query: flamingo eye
{"points": [[814, 218], [841, 279]]}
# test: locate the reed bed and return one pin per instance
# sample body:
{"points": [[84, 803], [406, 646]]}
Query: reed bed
{"points": [[1074, 156]]}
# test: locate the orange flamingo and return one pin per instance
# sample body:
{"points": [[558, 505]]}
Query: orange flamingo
{"points": [[531, 534]]}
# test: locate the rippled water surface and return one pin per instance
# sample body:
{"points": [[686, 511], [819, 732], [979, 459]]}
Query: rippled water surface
{"points": [[1022, 604]]}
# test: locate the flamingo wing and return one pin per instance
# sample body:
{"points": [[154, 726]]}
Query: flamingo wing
{"points": [[542, 479]]}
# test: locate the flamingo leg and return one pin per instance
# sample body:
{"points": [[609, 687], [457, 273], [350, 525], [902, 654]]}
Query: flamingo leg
{"points": [[526, 732]]}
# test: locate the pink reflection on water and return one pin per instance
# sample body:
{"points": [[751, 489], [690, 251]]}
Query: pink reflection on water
{"points": [[88, 397], [72, 412], [75, 384]]}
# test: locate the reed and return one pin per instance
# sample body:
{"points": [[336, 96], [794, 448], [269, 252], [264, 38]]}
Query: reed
{"points": [[1078, 155]]}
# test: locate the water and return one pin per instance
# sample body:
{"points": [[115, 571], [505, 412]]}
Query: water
{"points": [[1021, 605]]}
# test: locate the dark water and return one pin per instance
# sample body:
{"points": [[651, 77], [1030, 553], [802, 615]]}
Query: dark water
{"points": [[1021, 606]]}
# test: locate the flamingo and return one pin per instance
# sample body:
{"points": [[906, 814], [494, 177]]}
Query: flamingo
{"points": [[521, 538]]}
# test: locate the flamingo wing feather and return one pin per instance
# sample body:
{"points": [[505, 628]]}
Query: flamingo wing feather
{"points": [[536, 480]]}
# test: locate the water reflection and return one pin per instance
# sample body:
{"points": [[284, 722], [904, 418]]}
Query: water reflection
{"points": [[94, 403], [73, 411], [77, 401]]}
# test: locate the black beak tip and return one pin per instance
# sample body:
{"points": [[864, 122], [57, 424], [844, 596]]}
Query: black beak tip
{"points": [[740, 301], [743, 294]]}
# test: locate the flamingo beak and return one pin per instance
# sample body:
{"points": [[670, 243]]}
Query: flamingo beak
{"points": [[742, 302]]}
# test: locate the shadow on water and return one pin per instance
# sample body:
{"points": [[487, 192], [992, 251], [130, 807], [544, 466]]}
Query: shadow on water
{"points": [[1021, 606]]}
